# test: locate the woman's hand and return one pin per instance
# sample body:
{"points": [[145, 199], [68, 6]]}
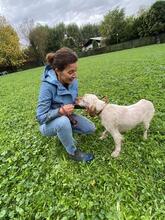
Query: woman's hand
{"points": [[66, 109]]}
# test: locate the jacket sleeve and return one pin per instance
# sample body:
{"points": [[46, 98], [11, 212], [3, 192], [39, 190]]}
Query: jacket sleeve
{"points": [[44, 112]]}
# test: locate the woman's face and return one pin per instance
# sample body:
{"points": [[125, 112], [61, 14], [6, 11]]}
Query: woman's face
{"points": [[68, 74]]}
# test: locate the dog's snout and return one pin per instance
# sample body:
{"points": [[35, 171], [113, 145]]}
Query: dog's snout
{"points": [[78, 99]]}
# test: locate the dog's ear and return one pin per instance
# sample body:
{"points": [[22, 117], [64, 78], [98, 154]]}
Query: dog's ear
{"points": [[91, 111], [105, 99]]}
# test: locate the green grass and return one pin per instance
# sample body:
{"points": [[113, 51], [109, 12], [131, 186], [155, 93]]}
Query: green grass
{"points": [[37, 179]]}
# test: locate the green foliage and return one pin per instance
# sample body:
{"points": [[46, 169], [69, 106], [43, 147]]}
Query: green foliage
{"points": [[44, 39], [74, 35], [38, 42], [70, 42], [38, 181], [116, 27], [53, 41], [156, 18], [152, 21], [10, 52], [113, 25], [88, 31], [129, 32]]}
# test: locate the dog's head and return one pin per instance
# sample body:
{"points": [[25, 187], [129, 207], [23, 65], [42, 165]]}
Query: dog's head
{"points": [[89, 102]]}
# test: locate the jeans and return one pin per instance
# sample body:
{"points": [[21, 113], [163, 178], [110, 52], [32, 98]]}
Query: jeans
{"points": [[62, 127]]}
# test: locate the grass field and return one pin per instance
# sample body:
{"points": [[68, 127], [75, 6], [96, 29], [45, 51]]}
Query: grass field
{"points": [[37, 179]]}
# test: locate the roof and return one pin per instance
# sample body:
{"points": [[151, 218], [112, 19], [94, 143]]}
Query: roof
{"points": [[98, 39]]}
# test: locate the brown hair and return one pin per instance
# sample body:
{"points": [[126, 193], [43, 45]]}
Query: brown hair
{"points": [[61, 58]]}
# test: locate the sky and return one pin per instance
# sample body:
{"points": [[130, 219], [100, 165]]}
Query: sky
{"points": [[52, 12]]}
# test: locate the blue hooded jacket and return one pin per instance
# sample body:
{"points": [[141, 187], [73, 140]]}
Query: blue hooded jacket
{"points": [[53, 95]]}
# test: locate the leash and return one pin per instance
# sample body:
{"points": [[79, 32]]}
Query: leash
{"points": [[72, 120]]}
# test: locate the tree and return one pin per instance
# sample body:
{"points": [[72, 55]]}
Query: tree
{"points": [[143, 30], [151, 22], [130, 29], [25, 28], [53, 43], [73, 36], [88, 31], [56, 37], [70, 42], [112, 27], [38, 42], [136, 27], [60, 31], [156, 18], [11, 55]]}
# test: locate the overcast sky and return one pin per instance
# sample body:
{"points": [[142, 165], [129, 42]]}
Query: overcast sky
{"points": [[51, 12]]}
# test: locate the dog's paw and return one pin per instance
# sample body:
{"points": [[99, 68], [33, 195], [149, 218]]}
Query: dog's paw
{"points": [[115, 153]]}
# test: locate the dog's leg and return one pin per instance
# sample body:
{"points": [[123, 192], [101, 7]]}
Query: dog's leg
{"points": [[104, 135], [118, 141], [147, 121], [146, 127]]}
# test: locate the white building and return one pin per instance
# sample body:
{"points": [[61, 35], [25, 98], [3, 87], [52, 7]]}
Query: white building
{"points": [[89, 44]]}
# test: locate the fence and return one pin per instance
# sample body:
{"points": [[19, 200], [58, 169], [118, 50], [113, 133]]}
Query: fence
{"points": [[126, 45]]}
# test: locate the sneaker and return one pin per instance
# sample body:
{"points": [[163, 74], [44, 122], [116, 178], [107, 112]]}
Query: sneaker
{"points": [[81, 156]]}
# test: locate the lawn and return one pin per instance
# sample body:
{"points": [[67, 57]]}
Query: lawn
{"points": [[38, 181]]}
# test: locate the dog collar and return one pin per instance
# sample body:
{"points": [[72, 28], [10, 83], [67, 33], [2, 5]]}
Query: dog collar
{"points": [[102, 109]]}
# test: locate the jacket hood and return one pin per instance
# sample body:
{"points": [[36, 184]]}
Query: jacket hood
{"points": [[50, 76]]}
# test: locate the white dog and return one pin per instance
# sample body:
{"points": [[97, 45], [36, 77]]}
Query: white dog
{"points": [[116, 118]]}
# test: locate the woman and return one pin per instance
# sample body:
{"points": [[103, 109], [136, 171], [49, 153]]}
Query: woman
{"points": [[56, 103]]}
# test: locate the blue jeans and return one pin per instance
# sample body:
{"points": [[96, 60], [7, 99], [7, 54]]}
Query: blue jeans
{"points": [[62, 127]]}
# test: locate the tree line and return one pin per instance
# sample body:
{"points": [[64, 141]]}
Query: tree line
{"points": [[115, 27]]}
